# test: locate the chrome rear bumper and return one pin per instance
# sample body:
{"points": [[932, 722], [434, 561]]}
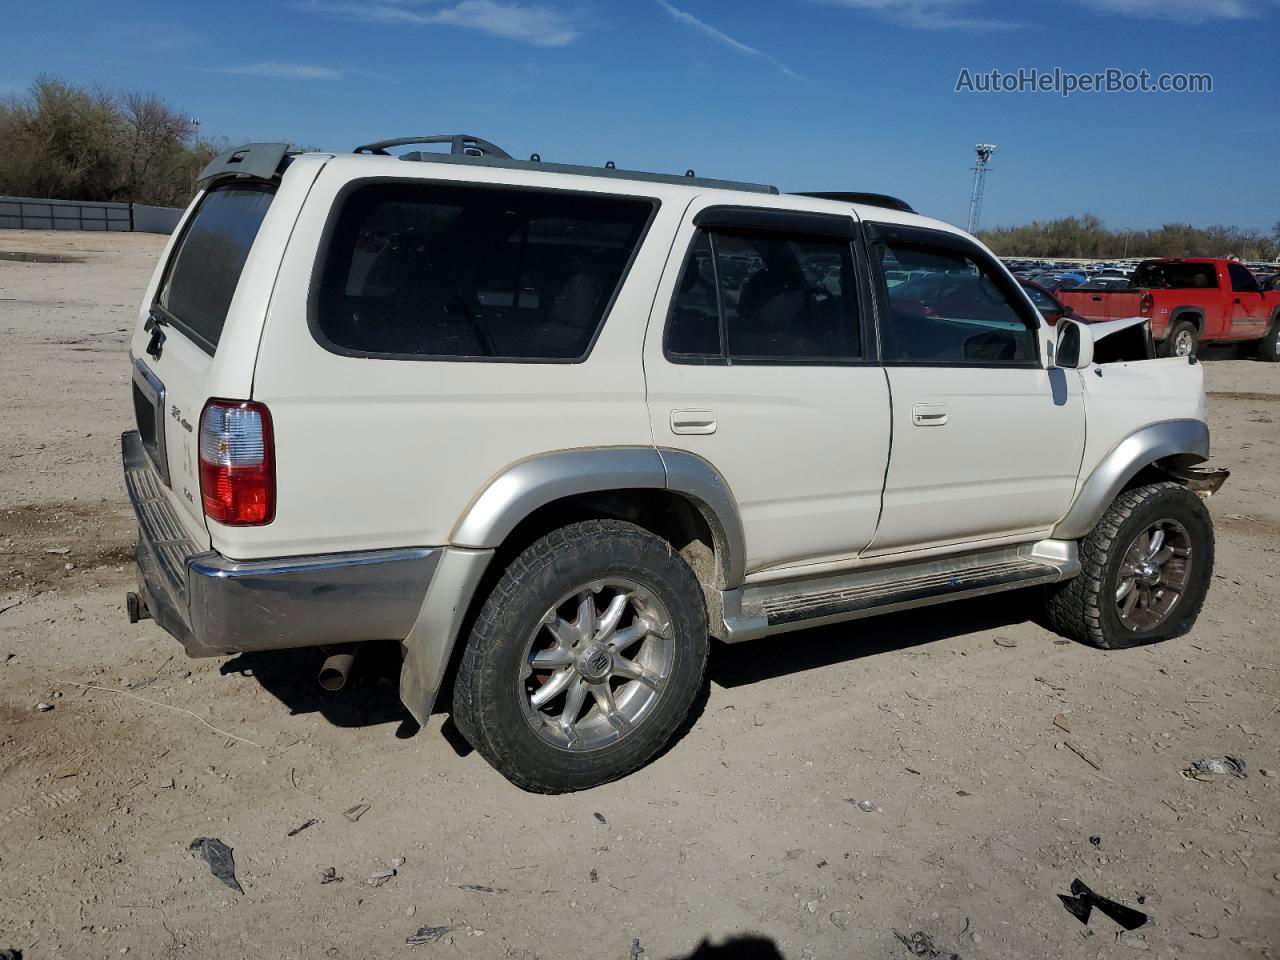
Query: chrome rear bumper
{"points": [[215, 606]]}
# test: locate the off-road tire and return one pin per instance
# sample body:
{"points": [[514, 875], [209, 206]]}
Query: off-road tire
{"points": [[1167, 348], [1084, 608], [1269, 346], [486, 704]]}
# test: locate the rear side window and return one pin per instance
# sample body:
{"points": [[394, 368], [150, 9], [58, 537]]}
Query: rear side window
{"points": [[427, 271], [748, 296], [206, 266], [1176, 276]]}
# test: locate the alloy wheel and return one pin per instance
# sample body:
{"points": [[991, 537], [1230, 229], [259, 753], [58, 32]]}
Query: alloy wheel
{"points": [[596, 664], [1153, 574]]}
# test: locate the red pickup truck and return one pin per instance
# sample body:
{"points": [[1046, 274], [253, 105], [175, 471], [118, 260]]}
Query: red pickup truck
{"points": [[1189, 301]]}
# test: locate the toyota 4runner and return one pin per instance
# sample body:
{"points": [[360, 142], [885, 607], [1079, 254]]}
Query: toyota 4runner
{"points": [[552, 428]]}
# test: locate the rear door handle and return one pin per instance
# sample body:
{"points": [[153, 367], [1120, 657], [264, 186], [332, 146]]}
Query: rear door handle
{"points": [[929, 414], [695, 422]]}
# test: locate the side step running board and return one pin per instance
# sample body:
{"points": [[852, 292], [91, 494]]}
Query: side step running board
{"points": [[793, 605]]}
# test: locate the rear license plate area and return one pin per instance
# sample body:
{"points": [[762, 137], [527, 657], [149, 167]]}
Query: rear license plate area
{"points": [[148, 411]]}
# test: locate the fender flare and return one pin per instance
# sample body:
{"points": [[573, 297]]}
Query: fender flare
{"points": [[1182, 442], [529, 484], [1196, 317], [514, 494]]}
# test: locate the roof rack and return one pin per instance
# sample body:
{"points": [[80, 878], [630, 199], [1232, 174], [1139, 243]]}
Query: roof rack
{"points": [[460, 144], [868, 199], [469, 150]]}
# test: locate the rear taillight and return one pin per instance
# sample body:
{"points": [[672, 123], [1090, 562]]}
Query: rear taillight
{"points": [[237, 463], [1145, 304]]}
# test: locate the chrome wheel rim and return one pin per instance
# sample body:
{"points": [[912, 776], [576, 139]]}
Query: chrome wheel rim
{"points": [[1182, 343], [1153, 575], [596, 665]]}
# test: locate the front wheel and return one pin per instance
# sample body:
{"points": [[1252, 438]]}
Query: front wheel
{"points": [[585, 659], [1146, 569]]}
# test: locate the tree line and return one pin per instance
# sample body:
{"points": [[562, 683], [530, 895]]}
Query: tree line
{"points": [[1087, 238], [68, 143]]}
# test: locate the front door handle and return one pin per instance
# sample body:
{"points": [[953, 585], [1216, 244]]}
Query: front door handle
{"points": [[929, 414], [695, 422]]}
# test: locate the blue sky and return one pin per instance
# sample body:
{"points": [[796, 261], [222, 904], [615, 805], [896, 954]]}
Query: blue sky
{"points": [[806, 94]]}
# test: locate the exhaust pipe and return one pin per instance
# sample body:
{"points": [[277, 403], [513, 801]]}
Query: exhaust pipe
{"points": [[337, 667]]}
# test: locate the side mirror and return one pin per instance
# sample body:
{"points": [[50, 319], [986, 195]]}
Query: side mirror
{"points": [[1075, 345]]}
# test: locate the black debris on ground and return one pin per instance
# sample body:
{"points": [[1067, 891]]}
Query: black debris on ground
{"points": [[221, 862], [1084, 901]]}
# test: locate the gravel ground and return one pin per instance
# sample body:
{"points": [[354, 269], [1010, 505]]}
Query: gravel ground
{"points": [[747, 837]]}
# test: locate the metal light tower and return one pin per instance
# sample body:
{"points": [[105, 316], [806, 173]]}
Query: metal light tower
{"points": [[984, 151]]}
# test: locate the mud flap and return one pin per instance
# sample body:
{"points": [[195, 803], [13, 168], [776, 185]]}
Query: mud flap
{"points": [[429, 645]]}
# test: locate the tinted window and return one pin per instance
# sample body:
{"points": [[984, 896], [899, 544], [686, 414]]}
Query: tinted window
{"points": [[747, 296], [1242, 281], [206, 267], [1176, 276], [954, 309], [424, 270]]}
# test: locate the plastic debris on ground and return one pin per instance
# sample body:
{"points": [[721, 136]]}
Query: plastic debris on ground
{"points": [[298, 829], [330, 875], [427, 935], [1207, 770], [1084, 901], [920, 944], [355, 813], [219, 857]]}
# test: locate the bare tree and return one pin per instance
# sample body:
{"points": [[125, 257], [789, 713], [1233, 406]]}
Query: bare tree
{"points": [[154, 138], [76, 144]]}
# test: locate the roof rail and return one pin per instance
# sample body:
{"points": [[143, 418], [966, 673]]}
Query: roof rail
{"points": [[469, 150], [461, 144], [868, 199]]}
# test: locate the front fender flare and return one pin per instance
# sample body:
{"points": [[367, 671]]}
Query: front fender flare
{"points": [[1184, 442]]}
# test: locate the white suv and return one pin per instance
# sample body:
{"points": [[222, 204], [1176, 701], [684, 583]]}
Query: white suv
{"points": [[553, 427]]}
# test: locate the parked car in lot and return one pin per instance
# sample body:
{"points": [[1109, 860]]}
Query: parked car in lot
{"points": [[553, 427], [1191, 301], [1049, 306]]}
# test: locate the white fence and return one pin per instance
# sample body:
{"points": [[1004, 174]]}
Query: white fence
{"points": [[30, 213]]}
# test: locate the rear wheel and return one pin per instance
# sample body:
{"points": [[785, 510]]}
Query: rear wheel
{"points": [[585, 659], [1269, 346], [1146, 571], [1182, 340]]}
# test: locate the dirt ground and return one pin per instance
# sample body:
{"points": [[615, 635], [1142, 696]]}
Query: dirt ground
{"points": [[747, 833]]}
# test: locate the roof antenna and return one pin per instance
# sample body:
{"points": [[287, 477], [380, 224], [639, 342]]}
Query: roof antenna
{"points": [[535, 158], [689, 172], [610, 165]]}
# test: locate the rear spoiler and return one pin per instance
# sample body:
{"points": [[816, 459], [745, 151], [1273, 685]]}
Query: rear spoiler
{"points": [[253, 161]]}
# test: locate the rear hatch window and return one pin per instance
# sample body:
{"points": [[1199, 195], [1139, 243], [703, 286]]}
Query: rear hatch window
{"points": [[206, 265]]}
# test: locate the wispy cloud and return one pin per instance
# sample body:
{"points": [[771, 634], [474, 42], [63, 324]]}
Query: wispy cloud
{"points": [[933, 14], [722, 38], [286, 71], [1191, 11], [535, 24]]}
